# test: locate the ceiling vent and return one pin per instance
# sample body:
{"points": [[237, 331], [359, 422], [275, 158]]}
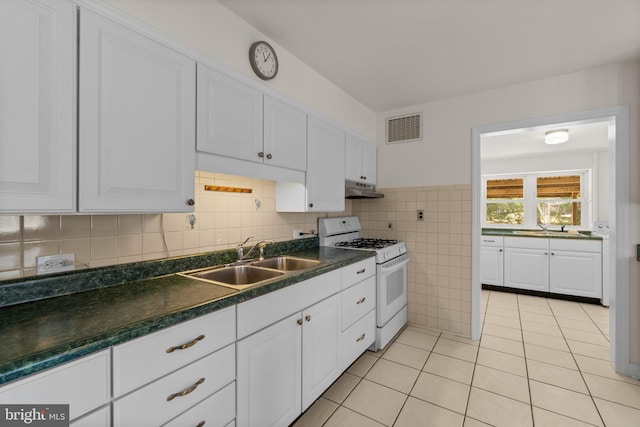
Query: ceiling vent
{"points": [[406, 128]]}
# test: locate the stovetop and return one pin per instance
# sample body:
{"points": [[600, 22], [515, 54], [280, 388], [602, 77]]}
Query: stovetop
{"points": [[366, 243]]}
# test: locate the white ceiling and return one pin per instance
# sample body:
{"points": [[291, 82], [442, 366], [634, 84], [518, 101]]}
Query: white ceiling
{"points": [[589, 137], [396, 53]]}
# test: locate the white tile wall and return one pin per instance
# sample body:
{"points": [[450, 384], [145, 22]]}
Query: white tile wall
{"points": [[439, 272], [222, 221]]}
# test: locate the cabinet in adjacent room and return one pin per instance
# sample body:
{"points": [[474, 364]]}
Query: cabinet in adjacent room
{"points": [[360, 160], [137, 121], [37, 106], [575, 268], [526, 263], [491, 260]]}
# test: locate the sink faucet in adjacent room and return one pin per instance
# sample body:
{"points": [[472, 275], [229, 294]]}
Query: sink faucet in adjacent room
{"points": [[543, 226]]}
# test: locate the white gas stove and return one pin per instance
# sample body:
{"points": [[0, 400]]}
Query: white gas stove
{"points": [[391, 271]]}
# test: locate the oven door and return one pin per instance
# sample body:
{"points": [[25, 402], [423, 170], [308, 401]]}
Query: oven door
{"points": [[391, 292]]}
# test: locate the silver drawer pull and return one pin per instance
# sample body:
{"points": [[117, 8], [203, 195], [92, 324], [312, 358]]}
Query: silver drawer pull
{"points": [[187, 345], [361, 271], [201, 423], [360, 301], [186, 391], [361, 338]]}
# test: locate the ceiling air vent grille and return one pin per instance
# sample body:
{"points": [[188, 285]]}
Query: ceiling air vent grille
{"points": [[404, 128]]}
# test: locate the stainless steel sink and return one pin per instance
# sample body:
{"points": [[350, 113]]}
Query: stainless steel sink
{"points": [[236, 276], [547, 233], [285, 263]]}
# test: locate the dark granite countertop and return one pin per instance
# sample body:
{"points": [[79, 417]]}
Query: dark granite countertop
{"points": [[550, 234], [42, 333]]}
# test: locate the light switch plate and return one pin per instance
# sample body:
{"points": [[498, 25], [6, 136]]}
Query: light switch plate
{"points": [[55, 263]]}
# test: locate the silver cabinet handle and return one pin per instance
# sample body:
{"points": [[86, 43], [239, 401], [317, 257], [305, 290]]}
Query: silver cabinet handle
{"points": [[360, 338], [299, 321], [201, 423], [361, 300], [269, 156], [308, 318], [361, 271], [261, 154], [185, 391], [499, 250], [187, 345]]}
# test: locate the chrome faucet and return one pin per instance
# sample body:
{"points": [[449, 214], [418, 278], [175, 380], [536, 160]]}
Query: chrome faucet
{"points": [[240, 249], [261, 245]]}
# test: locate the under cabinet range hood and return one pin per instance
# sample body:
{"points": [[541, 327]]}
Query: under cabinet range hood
{"points": [[359, 190]]}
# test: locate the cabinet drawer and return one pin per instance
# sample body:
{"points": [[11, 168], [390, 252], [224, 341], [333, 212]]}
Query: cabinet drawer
{"points": [[358, 338], [526, 242], [357, 301], [258, 313], [131, 360], [152, 405], [491, 241], [354, 273], [216, 410], [576, 245], [84, 384], [99, 418]]}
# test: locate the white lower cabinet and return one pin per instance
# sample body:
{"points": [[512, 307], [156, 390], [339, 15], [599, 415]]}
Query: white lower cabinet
{"points": [[576, 269], [217, 410], [84, 384], [561, 266], [284, 368], [173, 394], [320, 348], [492, 260], [99, 418], [269, 375]]}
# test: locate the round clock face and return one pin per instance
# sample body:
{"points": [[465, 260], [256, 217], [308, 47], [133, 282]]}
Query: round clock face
{"points": [[263, 60]]}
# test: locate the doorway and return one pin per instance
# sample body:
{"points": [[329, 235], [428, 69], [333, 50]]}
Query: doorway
{"points": [[617, 120]]}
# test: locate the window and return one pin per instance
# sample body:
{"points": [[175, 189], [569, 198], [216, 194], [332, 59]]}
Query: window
{"points": [[526, 200], [505, 201]]}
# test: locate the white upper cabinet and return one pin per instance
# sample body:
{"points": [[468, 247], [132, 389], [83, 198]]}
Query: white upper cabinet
{"points": [[37, 106], [360, 160], [325, 167], [229, 116], [235, 121], [137, 121], [285, 135]]}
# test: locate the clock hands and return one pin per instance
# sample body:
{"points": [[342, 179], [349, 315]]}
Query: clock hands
{"points": [[268, 56]]}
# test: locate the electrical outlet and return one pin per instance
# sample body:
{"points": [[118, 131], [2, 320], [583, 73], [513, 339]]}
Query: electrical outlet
{"points": [[420, 215], [55, 263], [297, 234]]}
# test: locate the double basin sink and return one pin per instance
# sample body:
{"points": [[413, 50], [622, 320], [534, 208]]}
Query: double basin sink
{"points": [[242, 276], [548, 233]]}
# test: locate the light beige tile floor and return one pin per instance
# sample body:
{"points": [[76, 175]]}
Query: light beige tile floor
{"points": [[540, 362]]}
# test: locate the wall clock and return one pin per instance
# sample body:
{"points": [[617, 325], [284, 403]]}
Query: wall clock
{"points": [[263, 60]]}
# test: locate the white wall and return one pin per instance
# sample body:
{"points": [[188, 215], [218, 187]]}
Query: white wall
{"points": [[213, 30], [444, 157], [560, 162]]}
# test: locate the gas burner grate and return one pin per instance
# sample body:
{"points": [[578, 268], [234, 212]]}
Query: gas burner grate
{"points": [[365, 243]]}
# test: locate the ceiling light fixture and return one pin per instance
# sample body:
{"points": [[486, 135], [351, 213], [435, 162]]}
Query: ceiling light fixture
{"points": [[556, 136]]}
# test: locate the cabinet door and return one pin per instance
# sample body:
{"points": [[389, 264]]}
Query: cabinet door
{"points": [[269, 375], [369, 162], [325, 167], [491, 266], [137, 121], [229, 116], [285, 135], [320, 348], [353, 158], [527, 269], [37, 106], [576, 273]]}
